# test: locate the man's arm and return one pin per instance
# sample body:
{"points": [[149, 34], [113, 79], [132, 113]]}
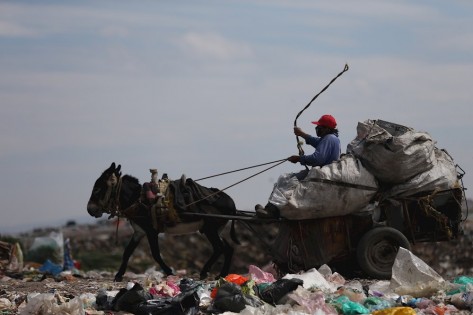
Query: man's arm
{"points": [[321, 153]]}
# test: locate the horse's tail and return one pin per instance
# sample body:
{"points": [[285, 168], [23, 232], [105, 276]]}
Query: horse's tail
{"points": [[233, 234]]}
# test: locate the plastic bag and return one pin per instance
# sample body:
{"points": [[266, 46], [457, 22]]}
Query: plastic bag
{"points": [[313, 279], [46, 304], [283, 189], [412, 276], [230, 298], [463, 300], [51, 268], [259, 276], [186, 303], [396, 311], [275, 291], [5, 304], [55, 241], [349, 307], [374, 303], [235, 278], [128, 300], [311, 302], [165, 289], [104, 299]]}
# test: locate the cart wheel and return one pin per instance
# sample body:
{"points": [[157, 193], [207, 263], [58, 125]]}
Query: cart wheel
{"points": [[377, 251]]}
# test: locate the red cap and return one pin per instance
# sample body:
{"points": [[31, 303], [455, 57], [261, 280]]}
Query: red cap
{"points": [[326, 121]]}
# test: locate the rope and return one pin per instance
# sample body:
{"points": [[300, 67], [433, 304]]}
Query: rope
{"points": [[299, 147], [238, 170], [239, 182]]}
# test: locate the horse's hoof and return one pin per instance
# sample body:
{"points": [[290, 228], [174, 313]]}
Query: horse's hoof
{"points": [[203, 276], [118, 278]]}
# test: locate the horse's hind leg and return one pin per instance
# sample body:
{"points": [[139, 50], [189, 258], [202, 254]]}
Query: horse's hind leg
{"points": [[218, 248]]}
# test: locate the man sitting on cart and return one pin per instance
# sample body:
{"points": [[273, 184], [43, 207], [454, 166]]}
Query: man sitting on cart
{"points": [[326, 144], [327, 150]]}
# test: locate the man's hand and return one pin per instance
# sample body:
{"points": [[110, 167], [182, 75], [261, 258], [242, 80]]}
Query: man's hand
{"points": [[294, 158], [298, 132]]}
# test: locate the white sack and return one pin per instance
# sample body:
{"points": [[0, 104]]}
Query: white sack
{"points": [[392, 153], [339, 188], [442, 176]]}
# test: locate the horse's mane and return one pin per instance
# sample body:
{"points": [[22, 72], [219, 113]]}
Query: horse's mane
{"points": [[131, 179]]}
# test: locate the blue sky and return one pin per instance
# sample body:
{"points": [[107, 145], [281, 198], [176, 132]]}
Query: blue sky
{"points": [[202, 87]]}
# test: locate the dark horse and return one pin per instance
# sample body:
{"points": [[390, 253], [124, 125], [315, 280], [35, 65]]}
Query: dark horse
{"points": [[115, 195]]}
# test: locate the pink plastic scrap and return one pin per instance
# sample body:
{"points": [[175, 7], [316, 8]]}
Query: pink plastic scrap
{"points": [[312, 302], [259, 276], [165, 289]]}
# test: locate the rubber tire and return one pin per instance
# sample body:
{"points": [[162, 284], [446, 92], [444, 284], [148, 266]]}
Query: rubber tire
{"points": [[377, 250]]}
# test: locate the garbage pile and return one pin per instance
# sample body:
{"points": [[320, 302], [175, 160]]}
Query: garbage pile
{"points": [[385, 159], [415, 288]]}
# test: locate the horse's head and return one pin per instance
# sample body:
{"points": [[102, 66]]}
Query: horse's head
{"points": [[104, 193]]}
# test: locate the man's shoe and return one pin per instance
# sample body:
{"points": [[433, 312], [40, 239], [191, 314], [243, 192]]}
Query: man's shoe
{"points": [[272, 209], [267, 212]]}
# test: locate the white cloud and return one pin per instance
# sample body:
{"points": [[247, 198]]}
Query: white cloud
{"points": [[213, 45], [114, 31], [10, 29]]}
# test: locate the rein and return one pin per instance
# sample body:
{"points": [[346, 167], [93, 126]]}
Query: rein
{"points": [[279, 162]]}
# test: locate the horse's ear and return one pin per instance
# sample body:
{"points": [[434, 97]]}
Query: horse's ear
{"points": [[118, 168], [112, 167]]}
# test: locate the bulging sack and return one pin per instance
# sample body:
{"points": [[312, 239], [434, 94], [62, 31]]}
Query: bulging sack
{"points": [[392, 153], [442, 176], [339, 188]]}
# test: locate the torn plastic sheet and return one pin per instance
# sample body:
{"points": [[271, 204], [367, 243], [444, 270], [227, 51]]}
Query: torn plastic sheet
{"points": [[47, 304], [412, 276], [313, 280], [311, 302], [345, 185]]}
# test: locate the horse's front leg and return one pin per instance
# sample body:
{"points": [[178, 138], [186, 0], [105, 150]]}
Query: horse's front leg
{"points": [[155, 251], [129, 249], [218, 248]]}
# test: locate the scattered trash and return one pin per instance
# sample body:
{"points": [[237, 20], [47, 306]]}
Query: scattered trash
{"points": [[414, 289], [50, 303], [11, 257]]}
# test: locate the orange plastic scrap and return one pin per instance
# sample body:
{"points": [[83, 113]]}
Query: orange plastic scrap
{"points": [[396, 311], [237, 279], [234, 278], [213, 294]]}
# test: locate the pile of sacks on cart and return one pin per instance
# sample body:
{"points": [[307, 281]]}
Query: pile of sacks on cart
{"points": [[415, 288], [385, 160]]}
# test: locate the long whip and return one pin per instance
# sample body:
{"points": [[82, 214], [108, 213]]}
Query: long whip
{"points": [[299, 146]]}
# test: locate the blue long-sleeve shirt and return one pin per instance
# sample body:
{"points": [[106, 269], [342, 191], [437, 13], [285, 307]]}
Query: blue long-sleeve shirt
{"points": [[327, 150]]}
